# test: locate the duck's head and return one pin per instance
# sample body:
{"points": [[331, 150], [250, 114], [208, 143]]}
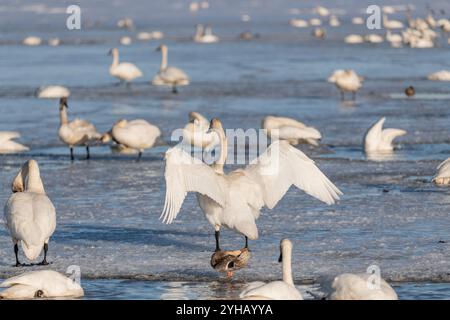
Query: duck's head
{"points": [[63, 103], [230, 261]]}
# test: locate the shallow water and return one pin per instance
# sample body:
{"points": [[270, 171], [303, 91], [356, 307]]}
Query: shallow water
{"points": [[108, 207]]}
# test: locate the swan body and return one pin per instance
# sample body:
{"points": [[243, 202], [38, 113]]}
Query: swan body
{"points": [[125, 41], [299, 23], [53, 92], [40, 284], [373, 38], [346, 81], [353, 39], [9, 146], [276, 290], [394, 39], [234, 200], [357, 20], [291, 130], [391, 24], [32, 41], [322, 11], [443, 175], [442, 75], [125, 71], [169, 76], [378, 139], [349, 286], [205, 35], [29, 214], [315, 22]]}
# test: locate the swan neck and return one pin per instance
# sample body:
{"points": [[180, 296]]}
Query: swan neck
{"points": [[29, 173], [163, 59], [63, 115], [220, 162], [115, 61], [287, 265]]}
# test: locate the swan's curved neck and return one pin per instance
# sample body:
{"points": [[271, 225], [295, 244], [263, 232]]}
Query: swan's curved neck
{"points": [[219, 163], [115, 61], [163, 59], [63, 115], [287, 265], [29, 173]]}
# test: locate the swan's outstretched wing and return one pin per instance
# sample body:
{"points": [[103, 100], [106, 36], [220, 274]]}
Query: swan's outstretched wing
{"points": [[388, 135], [282, 166], [8, 135], [183, 174]]}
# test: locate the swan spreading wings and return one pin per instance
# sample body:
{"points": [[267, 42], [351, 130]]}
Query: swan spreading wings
{"points": [[234, 200]]}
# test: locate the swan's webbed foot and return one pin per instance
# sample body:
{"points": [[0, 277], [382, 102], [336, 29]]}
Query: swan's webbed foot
{"points": [[229, 274], [43, 263], [18, 264]]}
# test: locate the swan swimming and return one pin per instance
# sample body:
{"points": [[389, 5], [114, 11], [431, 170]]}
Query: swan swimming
{"points": [[29, 214], [40, 284], [124, 71], [52, 92], [169, 76], [9, 146], [76, 132], [350, 286], [291, 130], [135, 134], [378, 139], [443, 175], [346, 81], [234, 200], [276, 290]]}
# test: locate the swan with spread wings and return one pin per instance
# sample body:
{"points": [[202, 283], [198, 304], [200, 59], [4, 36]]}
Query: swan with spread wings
{"points": [[234, 200]]}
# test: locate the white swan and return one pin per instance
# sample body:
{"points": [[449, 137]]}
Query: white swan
{"points": [[442, 75], [350, 286], [334, 21], [52, 92], [346, 81], [124, 71], [291, 130], [391, 24], [76, 132], [32, 41], [319, 33], [443, 175], [373, 38], [40, 284], [394, 39], [205, 35], [357, 20], [9, 146], [135, 134], [169, 76], [298, 23], [378, 139], [195, 132], [125, 41], [29, 214], [276, 290], [234, 200], [354, 39]]}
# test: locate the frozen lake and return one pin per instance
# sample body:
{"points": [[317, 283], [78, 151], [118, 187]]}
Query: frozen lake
{"points": [[108, 207]]}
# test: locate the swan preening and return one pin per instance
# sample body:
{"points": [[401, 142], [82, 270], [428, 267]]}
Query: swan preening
{"points": [[234, 200], [291, 130], [169, 76], [362, 286], [276, 290], [53, 92], [346, 81], [195, 132], [76, 132], [443, 175], [378, 139], [7, 145], [204, 34], [124, 71], [135, 134], [40, 284], [29, 214]]}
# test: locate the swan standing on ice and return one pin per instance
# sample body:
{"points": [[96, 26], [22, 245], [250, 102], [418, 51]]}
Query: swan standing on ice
{"points": [[291, 130], [346, 81], [124, 71], [378, 139], [53, 92], [276, 290], [350, 286], [234, 200], [77, 132], [40, 284], [443, 175], [29, 214], [9, 146], [135, 134], [169, 76]]}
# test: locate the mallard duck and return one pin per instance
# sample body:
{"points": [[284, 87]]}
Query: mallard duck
{"points": [[229, 261]]}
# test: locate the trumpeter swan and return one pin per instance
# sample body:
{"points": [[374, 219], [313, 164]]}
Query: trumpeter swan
{"points": [[315, 22], [319, 33], [124, 71], [291, 130], [395, 40], [135, 134], [234, 200], [76, 132], [276, 290], [29, 214], [53, 42], [354, 39], [299, 23], [169, 76], [364, 286], [443, 174], [195, 132], [144, 36], [125, 41], [378, 139], [9, 146], [52, 92], [204, 35], [321, 11], [40, 284], [32, 41], [442, 75], [391, 24], [346, 81]]}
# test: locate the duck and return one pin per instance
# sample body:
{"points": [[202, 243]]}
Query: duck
{"points": [[346, 81], [276, 290], [40, 284], [410, 91], [234, 200], [124, 71], [349, 286], [228, 261], [52, 92], [9, 146], [291, 130], [29, 214], [169, 76], [77, 132], [135, 134], [443, 175], [378, 139]]}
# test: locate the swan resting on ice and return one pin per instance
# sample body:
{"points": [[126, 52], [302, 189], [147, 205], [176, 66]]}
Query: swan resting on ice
{"points": [[291, 130], [443, 175], [378, 139], [9, 146], [362, 286]]}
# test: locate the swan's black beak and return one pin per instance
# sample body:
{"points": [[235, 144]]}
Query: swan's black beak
{"points": [[280, 259], [63, 103], [158, 48]]}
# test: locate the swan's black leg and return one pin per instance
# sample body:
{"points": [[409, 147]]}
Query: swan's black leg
{"points": [[16, 252], [174, 89], [88, 155], [246, 242], [44, 262], [217, 234], [353, 95], [71, 154], [139, 156]]}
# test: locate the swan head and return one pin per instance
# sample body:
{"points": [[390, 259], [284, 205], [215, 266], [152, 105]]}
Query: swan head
{"points": [[106, 137], [121, 123], [113, 51], [162, 48], [63, 103], [285, 244]]}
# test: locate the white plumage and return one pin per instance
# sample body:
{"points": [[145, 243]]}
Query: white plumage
{"points": [[291, 130], [354, 39], [169, 76], [195, 132], [125, 71], [204, 35], [346, 81], [9, 146], [362, 286], [53, 92], [443, 175], [442, 75], [378, 139]]}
